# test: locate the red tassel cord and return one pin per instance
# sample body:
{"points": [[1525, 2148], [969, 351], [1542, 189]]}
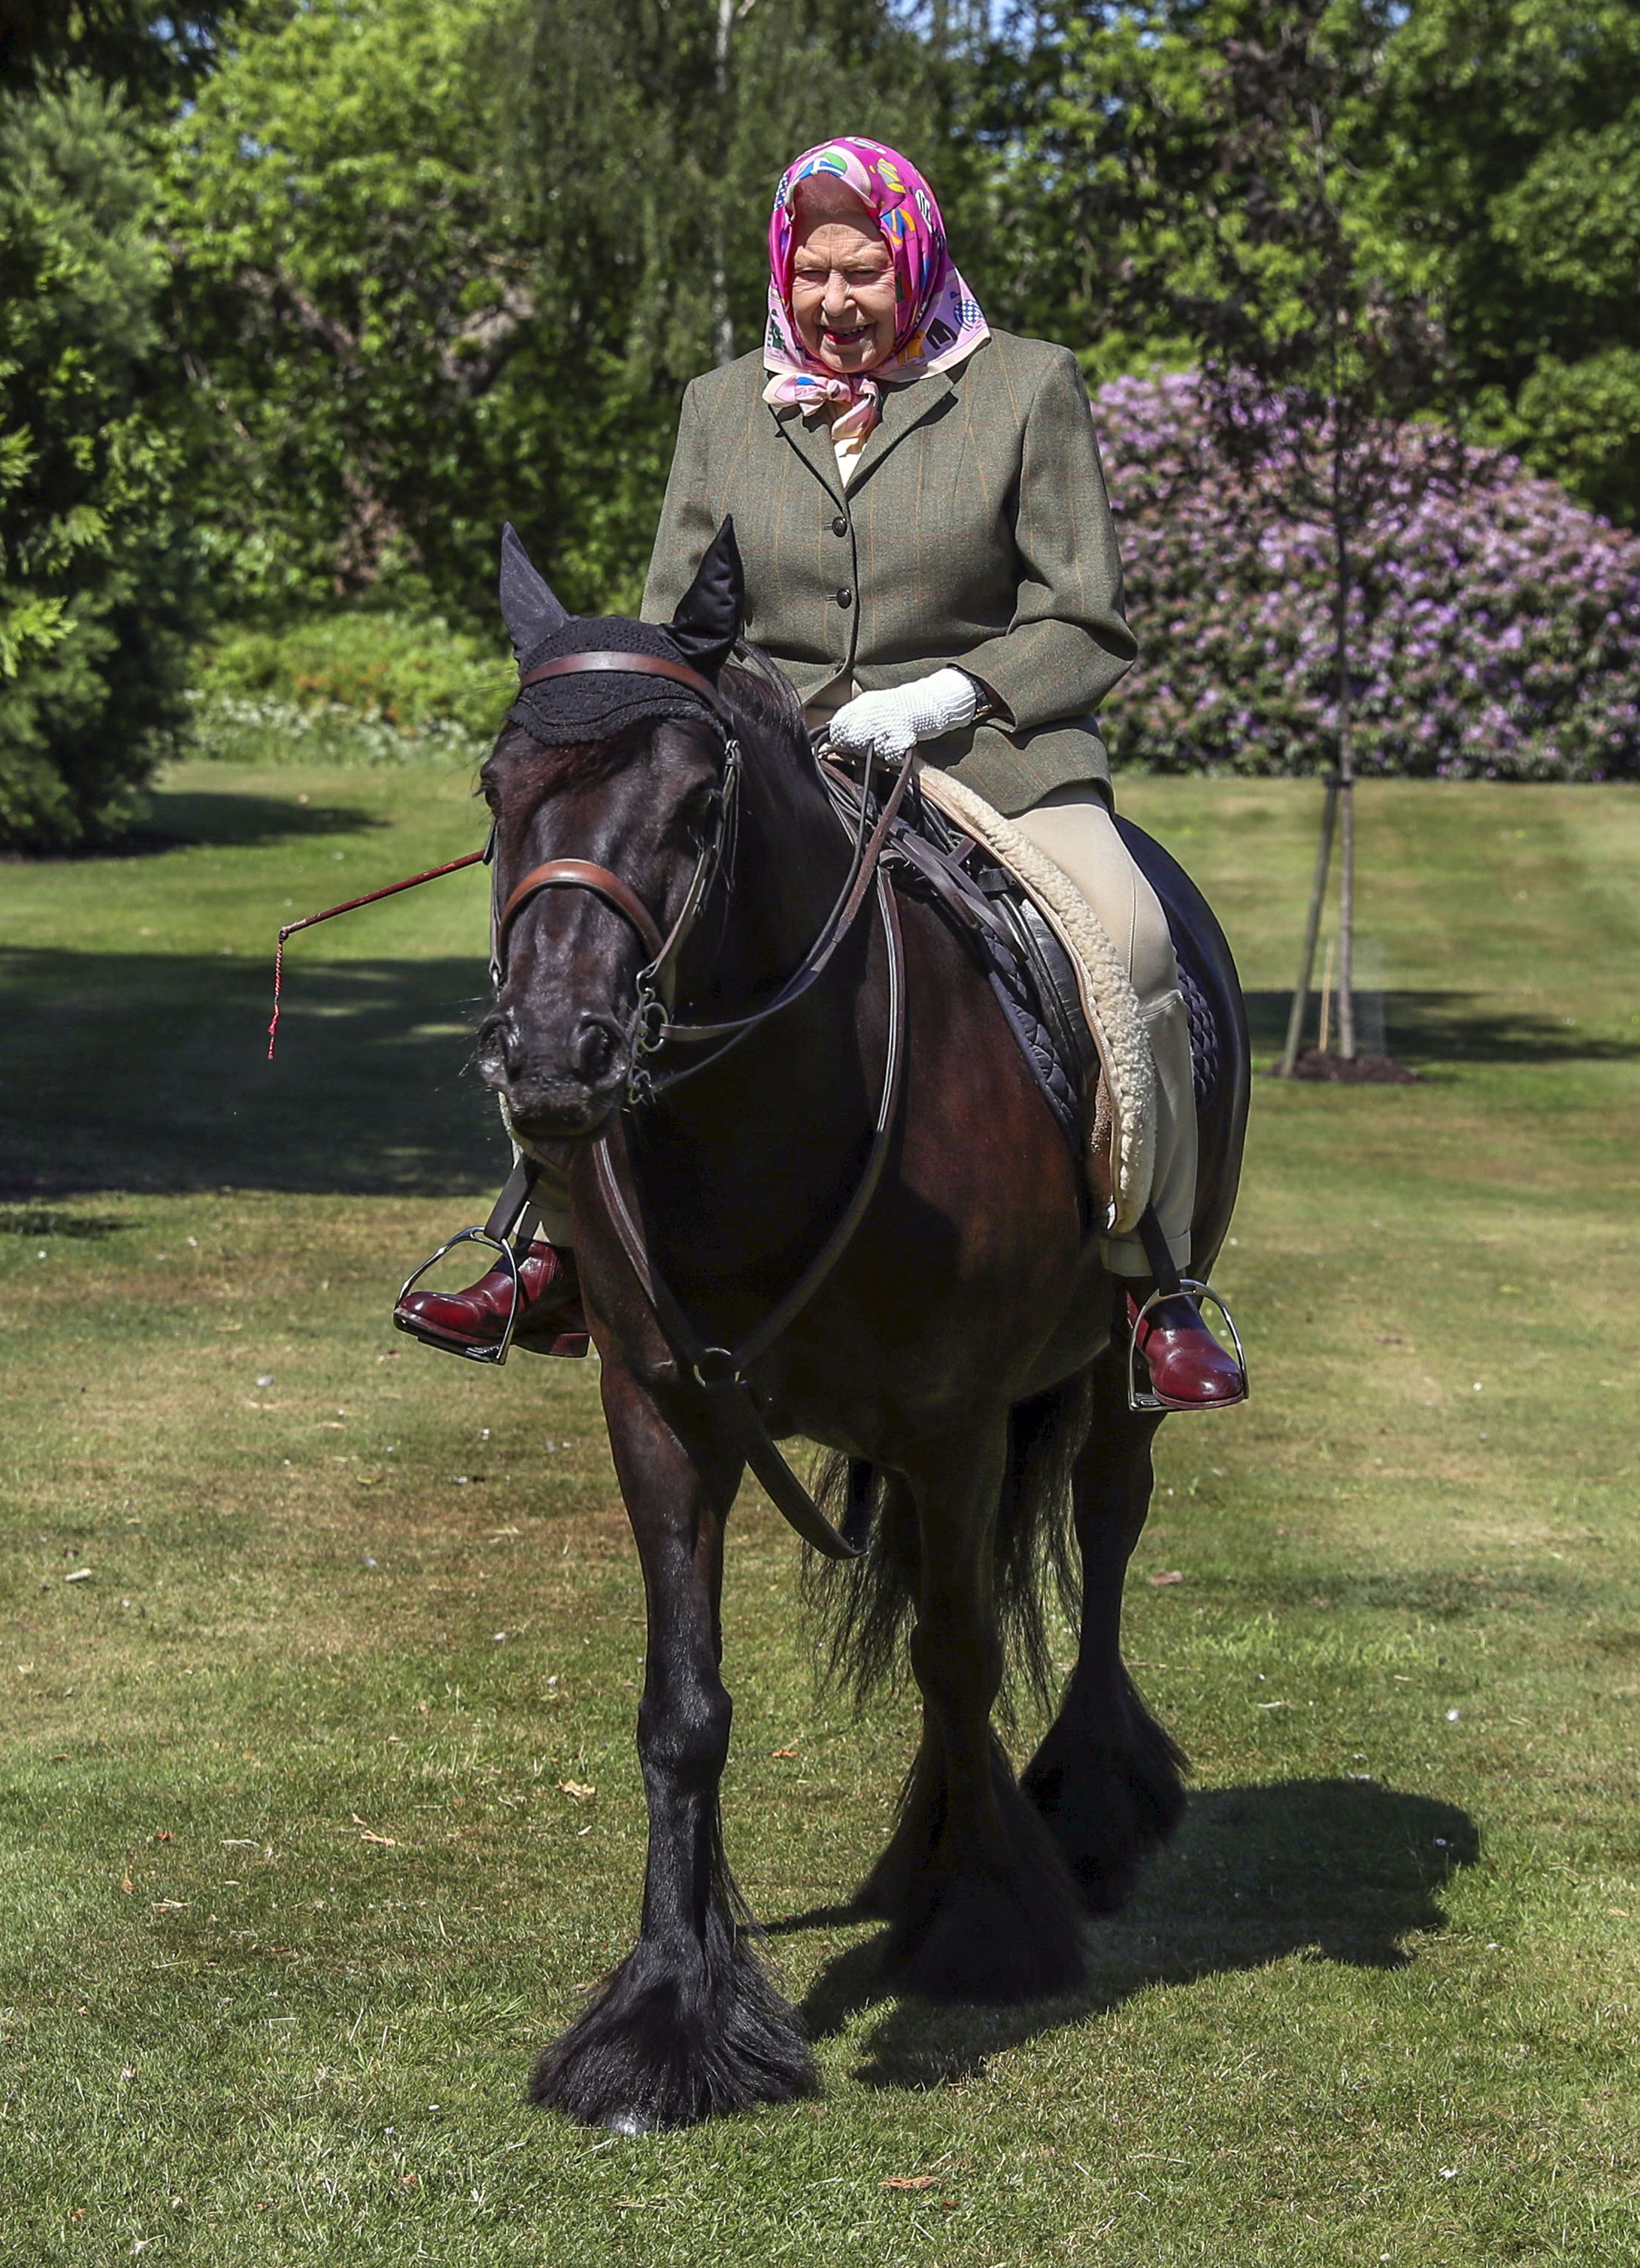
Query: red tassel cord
{"points": [[273, 1028]]}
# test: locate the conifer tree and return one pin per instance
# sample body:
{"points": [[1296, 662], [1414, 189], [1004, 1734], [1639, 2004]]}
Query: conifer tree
{"points": [[94, 548]]}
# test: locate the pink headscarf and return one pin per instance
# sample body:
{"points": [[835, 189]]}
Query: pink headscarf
{"points": [[938, 320]]}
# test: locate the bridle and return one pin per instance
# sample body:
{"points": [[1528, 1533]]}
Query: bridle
{"points": [[649, 1023], [651, 1027], [718, 1370]]}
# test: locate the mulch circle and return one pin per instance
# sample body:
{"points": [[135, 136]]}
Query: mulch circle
{"points": [[1361, 1071]]}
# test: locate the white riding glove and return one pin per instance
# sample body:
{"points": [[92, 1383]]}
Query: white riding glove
{"points": [[888, 725]]}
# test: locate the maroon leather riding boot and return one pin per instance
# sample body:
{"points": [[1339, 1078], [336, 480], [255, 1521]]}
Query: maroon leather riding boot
{"points": [[550, 1320], [1188, 1368]]}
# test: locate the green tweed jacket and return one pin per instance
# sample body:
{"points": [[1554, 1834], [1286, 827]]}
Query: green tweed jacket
{"points": [[976, 530]]}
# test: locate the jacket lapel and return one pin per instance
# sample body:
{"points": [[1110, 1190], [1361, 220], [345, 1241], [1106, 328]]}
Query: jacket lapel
{"points": [[811, 437], [904, 408]]}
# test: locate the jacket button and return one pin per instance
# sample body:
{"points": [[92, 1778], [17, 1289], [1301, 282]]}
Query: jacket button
{"points": [[839, 526], [845, 597]]}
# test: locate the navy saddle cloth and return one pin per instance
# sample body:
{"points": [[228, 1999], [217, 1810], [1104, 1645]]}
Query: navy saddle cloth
{"points": [[1035, 985]]}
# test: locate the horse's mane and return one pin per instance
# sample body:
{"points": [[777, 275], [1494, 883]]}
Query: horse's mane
{"points": [[761, 696]]}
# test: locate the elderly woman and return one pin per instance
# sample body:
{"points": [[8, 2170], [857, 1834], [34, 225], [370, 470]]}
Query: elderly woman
{"points": [[930, 558]]}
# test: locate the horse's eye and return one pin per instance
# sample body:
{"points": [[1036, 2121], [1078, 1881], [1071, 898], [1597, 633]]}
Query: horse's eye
{"points": [[700, 805]]}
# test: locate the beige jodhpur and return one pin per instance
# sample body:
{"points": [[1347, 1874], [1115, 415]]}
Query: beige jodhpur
{"points": [[1073, 826]]}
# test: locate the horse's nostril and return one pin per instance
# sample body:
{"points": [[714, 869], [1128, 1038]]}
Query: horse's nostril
{"points": [[593, 1050], [499, 1044]]}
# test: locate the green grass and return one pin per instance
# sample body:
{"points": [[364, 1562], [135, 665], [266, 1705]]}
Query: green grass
{"points": [[1375, 2005]]}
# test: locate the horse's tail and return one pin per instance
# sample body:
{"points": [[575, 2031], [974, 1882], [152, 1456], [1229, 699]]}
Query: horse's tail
{"points": [[865, 1605]]}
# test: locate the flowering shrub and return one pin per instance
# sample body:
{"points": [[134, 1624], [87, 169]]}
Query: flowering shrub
{"points": [[1506, 646], [363, 688], [262, 730]]}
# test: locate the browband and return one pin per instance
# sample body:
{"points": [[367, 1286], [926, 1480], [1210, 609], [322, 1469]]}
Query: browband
{"points": [[639, 664], [580, 874]]}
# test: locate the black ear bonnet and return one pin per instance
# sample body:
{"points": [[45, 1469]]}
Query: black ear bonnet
{"points": [[596, 704]]}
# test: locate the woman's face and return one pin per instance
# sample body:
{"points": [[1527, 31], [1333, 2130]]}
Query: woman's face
{"points": [[842, 289]]}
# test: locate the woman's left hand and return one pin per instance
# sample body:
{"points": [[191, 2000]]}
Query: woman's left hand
{"points": [[888, 725]]}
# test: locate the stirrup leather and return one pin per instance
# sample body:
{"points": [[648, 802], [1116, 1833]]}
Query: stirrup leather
{"points": [[1142, 1396]]}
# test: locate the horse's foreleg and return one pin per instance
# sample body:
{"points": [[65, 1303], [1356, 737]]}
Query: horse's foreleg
{"points": [[689, 2025], [1106, 1777], [981, 1904]]}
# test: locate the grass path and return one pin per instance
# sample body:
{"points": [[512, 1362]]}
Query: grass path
{"points": [[293, 1888]]}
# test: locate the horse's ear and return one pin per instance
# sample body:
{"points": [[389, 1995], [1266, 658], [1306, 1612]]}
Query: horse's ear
{"points": [[708, 620], [528, 608]]}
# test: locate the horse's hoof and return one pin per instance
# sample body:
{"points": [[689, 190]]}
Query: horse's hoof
{"points": [[1109, 1806], [1011, 1931], [666, 2045], [630, 2121]]}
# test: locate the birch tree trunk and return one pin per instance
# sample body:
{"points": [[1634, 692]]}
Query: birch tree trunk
{"points": [[1342, 565], [723, 322]]}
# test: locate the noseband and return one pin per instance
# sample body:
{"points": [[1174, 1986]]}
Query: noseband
{"points": [[649, 1026]]}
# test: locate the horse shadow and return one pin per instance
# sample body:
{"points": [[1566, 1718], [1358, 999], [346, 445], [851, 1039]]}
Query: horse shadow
{"points": [[150, 1071], [52, 1221], [1327, 1869]]}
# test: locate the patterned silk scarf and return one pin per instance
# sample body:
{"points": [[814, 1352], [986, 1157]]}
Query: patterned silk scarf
{"points": [[939, 323]]}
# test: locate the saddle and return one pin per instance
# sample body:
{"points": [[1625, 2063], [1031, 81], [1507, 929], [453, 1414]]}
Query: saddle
{"points": [[945, 848], [1011, 940]]}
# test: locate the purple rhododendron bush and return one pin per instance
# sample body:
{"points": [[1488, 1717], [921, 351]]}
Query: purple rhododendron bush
{"points": [[1499, 638]]}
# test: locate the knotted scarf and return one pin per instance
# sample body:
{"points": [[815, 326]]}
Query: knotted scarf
{"points": [[937, 320]]}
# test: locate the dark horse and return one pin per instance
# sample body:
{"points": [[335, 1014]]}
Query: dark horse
{"points": [[965, 1351]]}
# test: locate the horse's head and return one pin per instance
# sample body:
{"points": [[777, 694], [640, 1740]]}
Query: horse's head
{"points": [[608, 789]]}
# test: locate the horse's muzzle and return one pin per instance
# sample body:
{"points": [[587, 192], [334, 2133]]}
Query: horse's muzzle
{"points": [[556, 1087]]}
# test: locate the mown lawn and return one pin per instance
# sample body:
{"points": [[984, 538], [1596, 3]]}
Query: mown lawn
{"points": [[305, 1628]]}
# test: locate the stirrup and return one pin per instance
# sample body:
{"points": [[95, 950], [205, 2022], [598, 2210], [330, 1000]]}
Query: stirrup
{"points": [[1143, 1397], [503, 1247]]}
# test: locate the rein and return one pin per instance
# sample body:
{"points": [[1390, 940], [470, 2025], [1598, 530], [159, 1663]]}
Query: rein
{"points": [[720, 1371]]}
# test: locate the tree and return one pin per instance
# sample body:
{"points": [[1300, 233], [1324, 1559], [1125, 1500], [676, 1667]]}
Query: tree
{"points": [[1225, 215], [451, 262], [95, 566], [1508, 147], [350, 295], [1497, 147], [1317, 347], [145, 49]]}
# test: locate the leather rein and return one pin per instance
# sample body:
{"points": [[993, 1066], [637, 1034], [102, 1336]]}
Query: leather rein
{"points": [[719, 1371]]}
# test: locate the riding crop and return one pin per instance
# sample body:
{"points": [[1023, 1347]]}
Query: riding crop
{"points": [[392, 890]]}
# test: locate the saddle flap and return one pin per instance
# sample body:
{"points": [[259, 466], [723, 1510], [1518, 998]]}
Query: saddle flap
{"points": [[1109, 1004]]}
